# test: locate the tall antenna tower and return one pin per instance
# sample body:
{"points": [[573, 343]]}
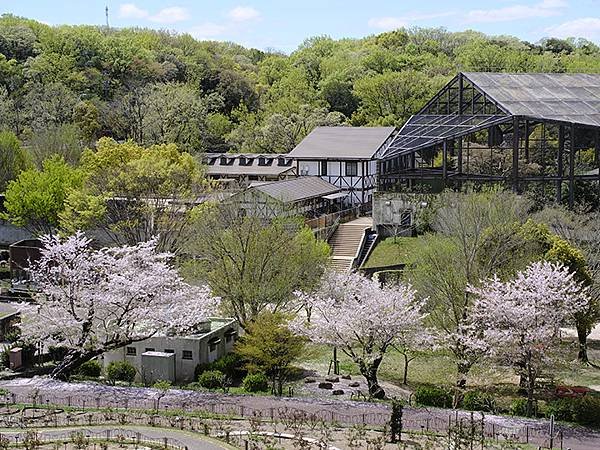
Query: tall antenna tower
{"points": [[106, 11]]}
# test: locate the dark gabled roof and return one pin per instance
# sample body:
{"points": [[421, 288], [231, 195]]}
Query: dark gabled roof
{"points": [[342, 143], [566, 97], [297, 189], [214, 166]]}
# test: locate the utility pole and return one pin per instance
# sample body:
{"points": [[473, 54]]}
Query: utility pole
{"points": [[106, 12]]}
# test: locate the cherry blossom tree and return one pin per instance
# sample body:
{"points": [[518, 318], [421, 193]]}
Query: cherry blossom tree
{"points": [[361, 317], [520, 319], [93, 301]]}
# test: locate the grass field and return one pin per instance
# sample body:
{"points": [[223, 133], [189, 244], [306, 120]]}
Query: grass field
{"points": [[437, 368], [392, 251]]}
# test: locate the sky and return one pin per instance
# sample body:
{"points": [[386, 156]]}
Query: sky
{"points": [[283, 25]]}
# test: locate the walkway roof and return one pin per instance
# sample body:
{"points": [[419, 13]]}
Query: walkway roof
{"points": [[297, 189]]}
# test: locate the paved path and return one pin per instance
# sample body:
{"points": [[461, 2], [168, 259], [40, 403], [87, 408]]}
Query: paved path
{"points": [[576, 438], [190, 440]]}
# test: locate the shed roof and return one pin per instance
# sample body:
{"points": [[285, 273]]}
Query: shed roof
{"points": [[342, 143], [7, 311], [297, 189], [567, 97]]}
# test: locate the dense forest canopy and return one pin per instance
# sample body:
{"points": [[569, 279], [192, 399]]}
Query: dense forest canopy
{"points": [[63, 87]]}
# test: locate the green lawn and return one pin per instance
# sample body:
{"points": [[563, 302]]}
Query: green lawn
{"points": [[437, 368], [392, 251]]}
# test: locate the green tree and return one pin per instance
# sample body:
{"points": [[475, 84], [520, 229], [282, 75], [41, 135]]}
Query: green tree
{"points": [[475, 239], [64, 141], [391, 98], [37, 197], [13, 158], [254, 265], [270, 347], [135, 193]]}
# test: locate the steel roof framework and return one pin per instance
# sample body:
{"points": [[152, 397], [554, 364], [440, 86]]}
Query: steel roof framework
{"points": [[463, 124]]}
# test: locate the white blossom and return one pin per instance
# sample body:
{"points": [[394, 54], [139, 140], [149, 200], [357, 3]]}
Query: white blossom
{"points": [[360, 316], [91, 301]]}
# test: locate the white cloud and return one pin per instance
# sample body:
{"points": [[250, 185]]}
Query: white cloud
{"points": [[585, 27], [392, 23], [387, 23], [131, 11], [544, 8], [207, 30], [166, 15], [243, 14], [170, 15]]}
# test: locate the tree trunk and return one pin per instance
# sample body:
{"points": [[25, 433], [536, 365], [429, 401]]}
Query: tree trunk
{"points": [[405, 376], [530, 391], [72, 360], [582, 334], [462, 370], [369, 371]]}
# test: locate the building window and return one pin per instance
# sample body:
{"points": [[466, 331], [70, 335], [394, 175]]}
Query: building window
{"points": [[323, 168], [149, 349], [229, 335], [169, 350], [131, 351], [213, 343], [187, 354], [351, 168]]}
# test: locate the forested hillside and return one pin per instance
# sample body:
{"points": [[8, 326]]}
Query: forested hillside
{"points": [[61, 88]]}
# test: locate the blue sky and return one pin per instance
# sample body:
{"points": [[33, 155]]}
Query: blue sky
{"points": [[283, 25]]}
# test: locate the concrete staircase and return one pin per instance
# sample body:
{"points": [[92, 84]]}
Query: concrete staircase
{"points": [[346, 241]]}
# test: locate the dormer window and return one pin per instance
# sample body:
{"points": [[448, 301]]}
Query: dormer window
{"points": [[226, 161], [244, 161], [281, 162], [262, 161]]}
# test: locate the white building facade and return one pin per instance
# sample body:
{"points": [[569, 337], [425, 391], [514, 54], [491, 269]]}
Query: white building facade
{"points": [[345, 157]]}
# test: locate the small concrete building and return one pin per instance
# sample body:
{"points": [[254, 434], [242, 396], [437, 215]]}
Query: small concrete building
{"points": [[21, 255], [175, 358], [9, 319]]}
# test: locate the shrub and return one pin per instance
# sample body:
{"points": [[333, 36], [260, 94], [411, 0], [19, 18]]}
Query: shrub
{"points": [[211, 379], [120, 371], [433, 396], [561, 409], [90, 369], [586, 410], [518, 407], [479, 401], [5, 357], [231, 365], [256, 382]]}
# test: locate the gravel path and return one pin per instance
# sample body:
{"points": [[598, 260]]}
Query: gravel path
{"points": [[189, 440], [576, 438]]}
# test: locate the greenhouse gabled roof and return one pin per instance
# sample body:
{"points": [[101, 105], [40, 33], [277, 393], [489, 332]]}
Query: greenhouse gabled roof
{"points": [[425, 130], [565, 97]]}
